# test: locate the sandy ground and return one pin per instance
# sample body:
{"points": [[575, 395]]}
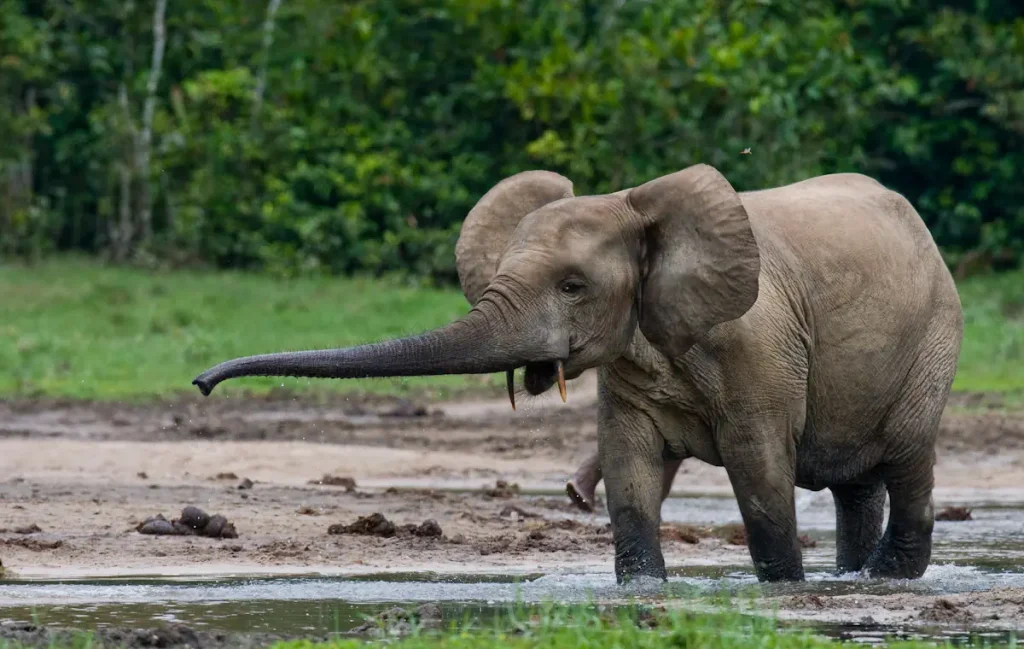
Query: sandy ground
{"points": [[88, 474]]}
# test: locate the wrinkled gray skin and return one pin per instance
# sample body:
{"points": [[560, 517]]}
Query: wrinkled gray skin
{"points": [[805, 335]]}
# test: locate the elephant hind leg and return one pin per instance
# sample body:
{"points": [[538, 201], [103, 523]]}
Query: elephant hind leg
{"points": [[669, 475], [581, 486], [860, 512], [906, 546], [909, 466]]}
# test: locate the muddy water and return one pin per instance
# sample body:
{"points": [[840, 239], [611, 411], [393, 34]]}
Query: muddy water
{"points": [[977, 555]]}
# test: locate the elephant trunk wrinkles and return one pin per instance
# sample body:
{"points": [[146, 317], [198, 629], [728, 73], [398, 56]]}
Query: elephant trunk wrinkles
{"points": [[470, 345]]}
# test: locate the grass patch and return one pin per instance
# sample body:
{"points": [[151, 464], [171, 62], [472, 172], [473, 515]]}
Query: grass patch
{"points": [[76, 328], [992, 355], [563, 627]]}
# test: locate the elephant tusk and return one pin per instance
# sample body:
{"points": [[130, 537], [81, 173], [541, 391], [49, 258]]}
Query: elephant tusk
{"points": [[561, 379], [510, 383]]}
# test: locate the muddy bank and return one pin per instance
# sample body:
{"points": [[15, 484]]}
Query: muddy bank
{"points": [[94, 529], [541, 425], [385, 485], [1001, 608]]}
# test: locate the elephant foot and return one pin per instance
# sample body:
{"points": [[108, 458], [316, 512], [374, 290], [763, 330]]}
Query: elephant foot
{"points": [[632, 569], [779, 571], [892, 560], [580, 488], [578, 497], [637, 547], [906, 546], [582, 498]]}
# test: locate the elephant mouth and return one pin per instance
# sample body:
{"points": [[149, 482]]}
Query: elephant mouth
{"points": [[539, 377]]}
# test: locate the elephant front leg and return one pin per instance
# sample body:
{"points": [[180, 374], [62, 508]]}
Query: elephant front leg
{"points": [[631, 448], [762, 476], [582, 485]]}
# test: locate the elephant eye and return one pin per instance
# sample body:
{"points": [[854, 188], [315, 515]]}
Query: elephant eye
{"points": [[572, 286]]}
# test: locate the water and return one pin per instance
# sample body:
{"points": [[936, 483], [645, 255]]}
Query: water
{"points": [[976, 555]]}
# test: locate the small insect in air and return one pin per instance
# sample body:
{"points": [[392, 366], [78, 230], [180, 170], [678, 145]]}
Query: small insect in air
{"points": [[745, 151]]}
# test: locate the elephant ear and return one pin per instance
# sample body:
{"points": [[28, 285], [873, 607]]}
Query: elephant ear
{"points": [[702, 261], [491, 222]]}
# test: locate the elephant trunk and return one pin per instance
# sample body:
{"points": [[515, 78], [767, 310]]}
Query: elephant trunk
{"points": [[470, 345]]}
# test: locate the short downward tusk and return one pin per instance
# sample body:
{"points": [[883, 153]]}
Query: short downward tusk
{"points": [[561, 379], [510, 383]]}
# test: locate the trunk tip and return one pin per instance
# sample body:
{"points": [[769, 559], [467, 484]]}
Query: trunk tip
{"points": [[205, 387]]}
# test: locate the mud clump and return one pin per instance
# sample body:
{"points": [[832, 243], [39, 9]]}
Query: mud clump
{"points": [[734, 534], [944, 610], [225, 475], [400, 622], [502, 489], [192, 522], [811, 601], [377, 525], [954, 514], [406, 409], [563, 535], [36, 545], [513, 513], [731, 534], [682, 533], [246, 483], [373, 525], [349, 484], [24, 530], [427, 529]]}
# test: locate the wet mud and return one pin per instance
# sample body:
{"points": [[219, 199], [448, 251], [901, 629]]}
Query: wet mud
{"points": [[288, 486]]}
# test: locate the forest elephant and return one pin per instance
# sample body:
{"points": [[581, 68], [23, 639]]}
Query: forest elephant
{"points": [[801, 336]]}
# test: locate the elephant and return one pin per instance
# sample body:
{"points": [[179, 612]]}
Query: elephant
{"points": [[805, 335]]}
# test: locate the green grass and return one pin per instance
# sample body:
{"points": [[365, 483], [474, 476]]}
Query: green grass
{"points": [[562, 627], [992, 354], [75, 328]]}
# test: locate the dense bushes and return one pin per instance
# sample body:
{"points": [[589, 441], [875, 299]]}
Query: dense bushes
{"points": [[303, 135]]}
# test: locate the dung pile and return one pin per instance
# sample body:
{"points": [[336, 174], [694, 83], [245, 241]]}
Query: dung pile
{"points": [[192, 522]]}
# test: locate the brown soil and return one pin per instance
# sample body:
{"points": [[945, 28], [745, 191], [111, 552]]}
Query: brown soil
{"points": [[364, 485], [1000, 608]]}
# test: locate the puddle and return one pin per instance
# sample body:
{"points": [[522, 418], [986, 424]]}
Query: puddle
{"points": [[981, 554]]}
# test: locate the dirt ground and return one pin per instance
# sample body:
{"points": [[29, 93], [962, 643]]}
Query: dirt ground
{"points": [[88, 475]]}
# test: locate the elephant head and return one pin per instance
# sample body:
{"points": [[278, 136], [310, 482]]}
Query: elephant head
{"points": [[559, 284]]}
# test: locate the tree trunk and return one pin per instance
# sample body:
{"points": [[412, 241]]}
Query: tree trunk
{"points": [[122, 232], [268, 41], [146, 135]]}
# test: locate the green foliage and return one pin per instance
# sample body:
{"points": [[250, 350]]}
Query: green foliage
{"points": [[76, 328], [361, 135], [951, 134]]}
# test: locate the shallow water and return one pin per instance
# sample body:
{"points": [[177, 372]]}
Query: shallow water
{"points": [[979, 554]]}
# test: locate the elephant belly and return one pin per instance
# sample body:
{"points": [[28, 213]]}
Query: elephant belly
{"points": [[821, 465], [845, 437]]}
